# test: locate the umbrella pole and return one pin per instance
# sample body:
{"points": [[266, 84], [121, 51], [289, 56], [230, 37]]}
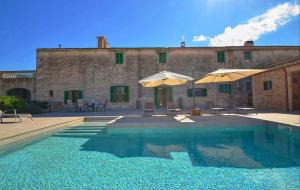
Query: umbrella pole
{"points": [[194, 100], [163, 94]]}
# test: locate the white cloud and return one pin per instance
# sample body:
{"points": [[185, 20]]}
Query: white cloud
{"points": [[200, 38], [255, 27]]}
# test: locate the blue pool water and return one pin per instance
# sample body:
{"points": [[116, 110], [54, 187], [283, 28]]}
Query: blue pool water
{"points": [[91, 156]]}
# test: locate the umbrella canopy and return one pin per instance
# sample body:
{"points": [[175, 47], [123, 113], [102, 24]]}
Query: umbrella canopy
{"points": [[165, 78], [227, 75]]}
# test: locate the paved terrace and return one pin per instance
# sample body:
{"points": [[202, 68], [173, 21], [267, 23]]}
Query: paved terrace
{"points": [[11, 131]]}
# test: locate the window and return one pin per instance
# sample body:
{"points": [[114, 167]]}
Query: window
{"points": [[221, 56], [162, 57], [199, 92], [225, 88], [247, 55], [72, 95], [119, 58], [119, 94], [51, 93], [268, 85]]}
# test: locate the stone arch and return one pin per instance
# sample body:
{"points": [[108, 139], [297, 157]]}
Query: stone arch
{"points": [[20, 92]]}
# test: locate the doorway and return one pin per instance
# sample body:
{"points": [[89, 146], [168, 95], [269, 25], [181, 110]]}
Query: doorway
{"points": [[296, 90], [20, 92], [162, 95]]}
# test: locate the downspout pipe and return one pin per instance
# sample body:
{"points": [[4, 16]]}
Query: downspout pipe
{"points": [[286, 90]]}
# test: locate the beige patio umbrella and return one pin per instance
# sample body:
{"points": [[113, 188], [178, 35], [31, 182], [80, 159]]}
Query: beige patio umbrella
{"points": [[165, 78], [227, 75]]}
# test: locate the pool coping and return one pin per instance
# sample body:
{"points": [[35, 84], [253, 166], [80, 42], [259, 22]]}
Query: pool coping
{"points": [[203, 120]]}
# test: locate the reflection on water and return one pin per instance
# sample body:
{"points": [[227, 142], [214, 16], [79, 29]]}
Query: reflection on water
{"points": [[243, 147]]}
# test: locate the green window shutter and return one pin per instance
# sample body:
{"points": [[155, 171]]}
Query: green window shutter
{"points": [[66, 96], [189, 92], [113, 94], [247, 55], [228, 88], [126, 95], [162, 57], [203, 92], [221, 56], [79, 94], [119, 58]]}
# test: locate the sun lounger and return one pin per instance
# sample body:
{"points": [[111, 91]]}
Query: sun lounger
{"points": [[14, 115], [245, 110], [218, 110]]}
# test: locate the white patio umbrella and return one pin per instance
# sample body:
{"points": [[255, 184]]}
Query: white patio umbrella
{"points": [[165, 78], [227, 75]]}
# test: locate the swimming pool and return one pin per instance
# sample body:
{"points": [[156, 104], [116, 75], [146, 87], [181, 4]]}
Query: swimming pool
{"points": [[92, 156]]}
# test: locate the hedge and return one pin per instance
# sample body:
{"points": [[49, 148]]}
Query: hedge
{"points": [[9, 103]]}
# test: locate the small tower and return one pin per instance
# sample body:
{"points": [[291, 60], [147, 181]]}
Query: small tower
{"points": [[182, 44]]}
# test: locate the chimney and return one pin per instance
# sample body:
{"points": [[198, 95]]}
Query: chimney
{"points": [[102, 42], [249, 43], [182, 44]]}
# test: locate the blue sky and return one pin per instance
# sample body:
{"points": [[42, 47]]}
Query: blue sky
{"points": [[27, 25]]}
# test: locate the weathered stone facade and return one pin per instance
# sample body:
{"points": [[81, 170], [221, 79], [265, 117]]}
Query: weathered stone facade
{"points": [[17, 80], [284, 91], [94, 70]]}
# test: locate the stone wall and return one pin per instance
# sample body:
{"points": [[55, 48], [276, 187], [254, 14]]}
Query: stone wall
{"points": [[94, 71], [17, 79], [274, 99], [282, 95]]}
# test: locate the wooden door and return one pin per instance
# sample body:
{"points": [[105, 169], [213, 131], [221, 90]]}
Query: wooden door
{"points": [[162, 95], [296, 90]]}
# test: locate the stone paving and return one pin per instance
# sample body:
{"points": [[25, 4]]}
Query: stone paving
{"points": [[11, 130], [285, 118]]}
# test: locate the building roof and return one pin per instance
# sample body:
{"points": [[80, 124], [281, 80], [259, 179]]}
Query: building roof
{"points": [[17, 74], [170, 48], [289, 63]]}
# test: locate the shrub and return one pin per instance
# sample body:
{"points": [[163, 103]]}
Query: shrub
{"points": [[9, 103], [41, 104], [12, 102], [33, 108]]}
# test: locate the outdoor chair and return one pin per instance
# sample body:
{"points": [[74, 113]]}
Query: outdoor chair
{"points": [[148, 107], [71, 106], [212, 109], [91, 106], [102, 106], [172, 108], [81, 106], [14, 115]]}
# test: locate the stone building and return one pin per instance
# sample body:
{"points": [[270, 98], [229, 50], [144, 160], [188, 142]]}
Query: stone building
{"points": [[278, 88], [20, 83], [95, 74]]}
